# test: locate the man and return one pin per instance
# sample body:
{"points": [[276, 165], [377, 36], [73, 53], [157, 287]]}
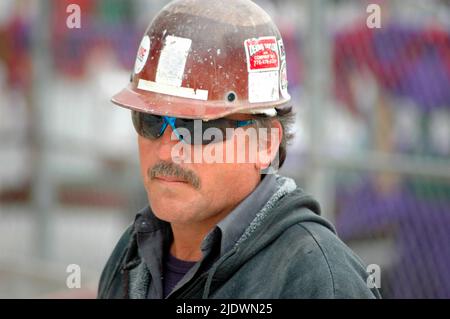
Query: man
{"points": [[208, 85]]}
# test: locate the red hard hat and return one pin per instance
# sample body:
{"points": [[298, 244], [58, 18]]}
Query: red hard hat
{"points": [[206, 59]]}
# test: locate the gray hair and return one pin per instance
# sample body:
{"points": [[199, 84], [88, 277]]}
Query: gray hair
{"points": [[287, 120]]}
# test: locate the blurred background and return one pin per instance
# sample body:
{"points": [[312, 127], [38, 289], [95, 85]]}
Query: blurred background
{"points": [[372, 135]]}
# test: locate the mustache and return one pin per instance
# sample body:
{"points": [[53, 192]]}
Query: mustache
{"points": [[165, 168]]}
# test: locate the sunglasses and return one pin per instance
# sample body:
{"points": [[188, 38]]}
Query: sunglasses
{"points": [[153, 126]]}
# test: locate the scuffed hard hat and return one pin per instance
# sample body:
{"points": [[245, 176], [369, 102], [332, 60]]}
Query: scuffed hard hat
{"points": [[206, 59]]}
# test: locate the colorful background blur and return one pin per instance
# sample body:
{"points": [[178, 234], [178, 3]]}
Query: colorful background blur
{"points": [[372, 135]]}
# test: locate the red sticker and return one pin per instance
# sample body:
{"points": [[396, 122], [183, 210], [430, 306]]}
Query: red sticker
{"points": [[262, 54], [142, 55]]}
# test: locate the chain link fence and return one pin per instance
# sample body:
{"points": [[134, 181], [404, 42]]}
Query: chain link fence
{"points": [[380, 161]]}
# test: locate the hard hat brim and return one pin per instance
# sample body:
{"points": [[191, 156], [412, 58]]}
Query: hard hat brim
{"points": [[168, 105]]}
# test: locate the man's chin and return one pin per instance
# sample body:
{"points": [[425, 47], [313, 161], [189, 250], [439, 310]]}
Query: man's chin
{"points": [[169, 207], [174, 216]]}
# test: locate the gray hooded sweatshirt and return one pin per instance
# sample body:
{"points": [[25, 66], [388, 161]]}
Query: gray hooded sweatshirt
{"points": [[286, 251]]}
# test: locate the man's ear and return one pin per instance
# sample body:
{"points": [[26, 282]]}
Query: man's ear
{"points": [[269, 140]]}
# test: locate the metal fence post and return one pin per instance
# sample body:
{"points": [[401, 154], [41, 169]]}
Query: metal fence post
{"points": [[317, 80], [42, 183]]}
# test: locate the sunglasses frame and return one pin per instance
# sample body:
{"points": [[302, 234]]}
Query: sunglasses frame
{"points": [[172, 122]]}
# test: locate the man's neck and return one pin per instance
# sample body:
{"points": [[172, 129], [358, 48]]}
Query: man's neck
{"points": [[186, 247], [187, 239]]}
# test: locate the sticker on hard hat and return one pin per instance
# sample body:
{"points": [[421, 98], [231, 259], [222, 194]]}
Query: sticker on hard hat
{"points": [[284, 81], [142, 55], [172, 61], [188, 93], [262, 54], [283, 71], [263, 87]]}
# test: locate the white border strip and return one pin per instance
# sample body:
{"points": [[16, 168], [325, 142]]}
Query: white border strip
{"points": [[173, 90]]}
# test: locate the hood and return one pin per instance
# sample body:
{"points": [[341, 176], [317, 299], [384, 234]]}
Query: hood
{"points": [[290, 205]]}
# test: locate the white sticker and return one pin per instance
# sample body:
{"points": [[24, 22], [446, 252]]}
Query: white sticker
{"points": [[173, 90], [284, 81], [263, 87], [142, 55], [283, 71], [282, 50], [172, 61]]}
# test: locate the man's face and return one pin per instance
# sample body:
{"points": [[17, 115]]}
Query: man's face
{"points": [[198, 192]]}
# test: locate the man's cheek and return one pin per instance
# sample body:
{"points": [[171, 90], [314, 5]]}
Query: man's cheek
{"points": [[144, 176]]}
